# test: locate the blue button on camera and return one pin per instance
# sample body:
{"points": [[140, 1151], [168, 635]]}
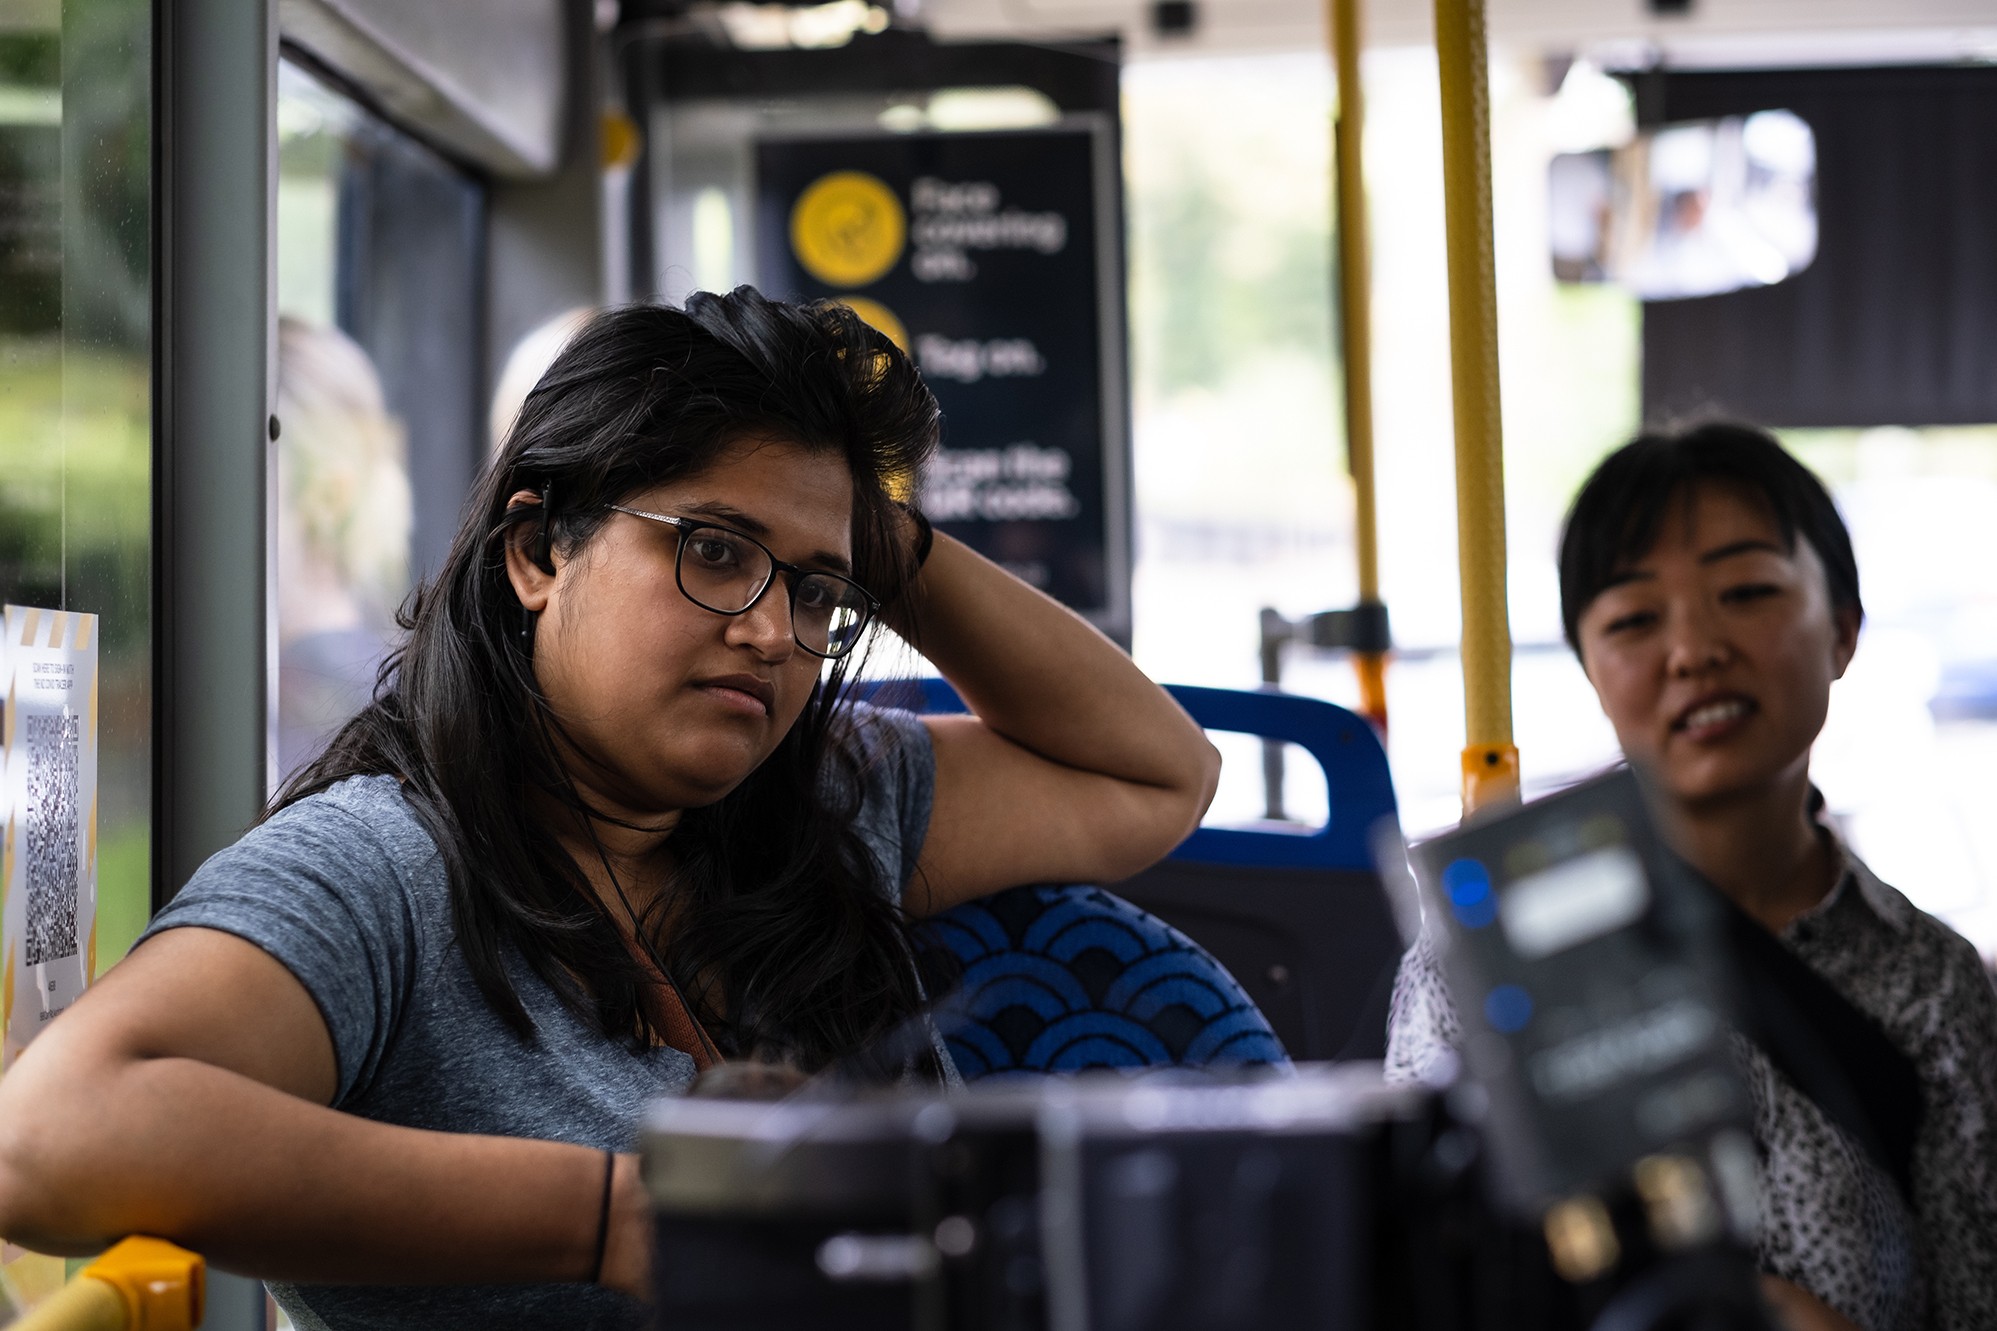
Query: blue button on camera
{"points": [[1508, 1008], [1467, 884]]}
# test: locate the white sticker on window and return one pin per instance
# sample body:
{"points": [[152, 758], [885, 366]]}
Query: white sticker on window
{"points": [[49, 922]]}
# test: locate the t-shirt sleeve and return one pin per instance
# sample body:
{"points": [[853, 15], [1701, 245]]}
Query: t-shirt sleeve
{"points": [[896, 765], [318, 887]]}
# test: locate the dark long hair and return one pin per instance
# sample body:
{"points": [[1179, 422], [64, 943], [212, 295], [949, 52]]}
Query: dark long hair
{"points": [[781, 938], [1621, 506]]}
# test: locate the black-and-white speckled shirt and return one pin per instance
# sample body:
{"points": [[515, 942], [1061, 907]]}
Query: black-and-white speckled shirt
{"points": [[1832, 1219]]}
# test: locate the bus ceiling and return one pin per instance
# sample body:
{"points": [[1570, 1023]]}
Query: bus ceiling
{"points": [[487, 83], [1677, 33], [494, 85]]}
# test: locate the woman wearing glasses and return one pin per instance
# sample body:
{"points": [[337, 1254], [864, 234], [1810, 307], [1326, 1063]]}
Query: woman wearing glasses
{"points": [[610, 821]]}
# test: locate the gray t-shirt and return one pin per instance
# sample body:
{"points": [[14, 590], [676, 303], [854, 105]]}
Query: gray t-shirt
{"points": [[348, 891]]}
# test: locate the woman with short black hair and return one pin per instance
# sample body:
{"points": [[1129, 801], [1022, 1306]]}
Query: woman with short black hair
{"points": [[612, 818], [1709, 589]]}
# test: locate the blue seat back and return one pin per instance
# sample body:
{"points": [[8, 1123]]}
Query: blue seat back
{"points": [[1295, 948], [1066, 979], [1359, 787]]}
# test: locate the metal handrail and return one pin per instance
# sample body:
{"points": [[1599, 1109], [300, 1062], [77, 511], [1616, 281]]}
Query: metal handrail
{"points": [[1355, 324], [1490, 758]]}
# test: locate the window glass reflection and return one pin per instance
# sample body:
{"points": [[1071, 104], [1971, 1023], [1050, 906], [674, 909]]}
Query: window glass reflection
{"points": [[378, 259], [75, 388], [76, 443], [342, 533]]}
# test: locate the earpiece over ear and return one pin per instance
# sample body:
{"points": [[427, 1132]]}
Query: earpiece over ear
{"points": [[540, 545]]}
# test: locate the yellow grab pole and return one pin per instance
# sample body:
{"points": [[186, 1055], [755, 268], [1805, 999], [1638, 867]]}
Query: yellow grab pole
{"points": [[84, 1304], [139, 1284], [1355, 310], [1490, 759]]}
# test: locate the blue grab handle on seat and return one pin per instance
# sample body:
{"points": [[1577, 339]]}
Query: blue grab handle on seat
{"points": [[1359, 788]]}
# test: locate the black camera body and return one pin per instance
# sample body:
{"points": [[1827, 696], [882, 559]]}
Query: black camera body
{"points": [[1100, 1203], [1604, 1193], [1590, 978]]}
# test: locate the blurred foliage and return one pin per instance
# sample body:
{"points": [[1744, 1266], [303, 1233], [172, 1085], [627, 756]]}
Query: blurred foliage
{"points": [[76, 200], [1235, 377], [1230, 250], [1573, 396], [75, 339], [124, 893], [31, 59], [1843, 457], [1223, 286], [313, 130], [76, 389], [76, 490], [30, 172], [107, 172]]}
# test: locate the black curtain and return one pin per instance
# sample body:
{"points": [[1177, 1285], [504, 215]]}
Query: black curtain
{"points": [[1895, 322]]}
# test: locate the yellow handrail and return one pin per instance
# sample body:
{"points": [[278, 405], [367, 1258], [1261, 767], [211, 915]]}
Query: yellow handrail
{"points": [[1355, 274], [140, 1284], [1490, 759]]}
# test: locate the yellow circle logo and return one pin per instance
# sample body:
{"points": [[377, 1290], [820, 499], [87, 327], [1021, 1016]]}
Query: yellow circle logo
{"points": [[880, 318], [847, 229]]}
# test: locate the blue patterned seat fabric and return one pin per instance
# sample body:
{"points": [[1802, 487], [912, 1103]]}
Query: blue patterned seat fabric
{"points": [[1064, 979]]}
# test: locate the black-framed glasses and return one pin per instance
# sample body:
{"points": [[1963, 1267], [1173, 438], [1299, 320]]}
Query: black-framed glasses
{"points": [[720, 569]]}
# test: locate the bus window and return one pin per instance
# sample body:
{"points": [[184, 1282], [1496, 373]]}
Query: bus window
{"points": [[379, 256], [75, 501], [75, 391]]}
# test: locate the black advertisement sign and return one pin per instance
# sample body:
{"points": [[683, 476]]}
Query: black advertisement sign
{"points": [[990, 259]]}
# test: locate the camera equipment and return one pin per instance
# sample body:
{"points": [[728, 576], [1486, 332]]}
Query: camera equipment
{"points": [[1589, 974], [1113, 1204], [1589, 1173]]}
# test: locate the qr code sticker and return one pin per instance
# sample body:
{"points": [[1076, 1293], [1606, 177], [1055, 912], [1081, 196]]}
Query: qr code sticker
{"points": [[52, 752]]}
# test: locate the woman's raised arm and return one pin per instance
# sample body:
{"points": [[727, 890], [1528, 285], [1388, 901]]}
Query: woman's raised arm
{"points": [[184, 1097], [1073, 767]]}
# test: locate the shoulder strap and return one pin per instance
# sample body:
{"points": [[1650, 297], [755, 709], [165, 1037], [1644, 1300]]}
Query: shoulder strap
{"points": [[1831, 1050], [668, 1010]]}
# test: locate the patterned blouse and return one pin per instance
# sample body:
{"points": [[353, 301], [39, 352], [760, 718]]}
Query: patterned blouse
{"points": [[1832, 1220]]}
